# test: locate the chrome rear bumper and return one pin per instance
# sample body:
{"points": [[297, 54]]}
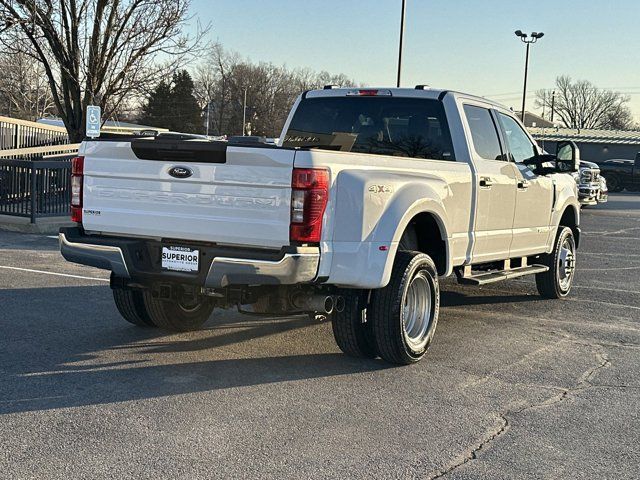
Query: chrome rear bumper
{"points": [[298, 267], [295, 265]]}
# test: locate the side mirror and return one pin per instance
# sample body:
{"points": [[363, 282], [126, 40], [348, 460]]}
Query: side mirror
{"points": [[567, 157]]}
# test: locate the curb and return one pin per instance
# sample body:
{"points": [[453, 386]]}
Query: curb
{"points": [[49, 225]]}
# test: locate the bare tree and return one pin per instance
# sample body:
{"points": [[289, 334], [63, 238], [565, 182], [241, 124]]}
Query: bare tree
{"points": [[581, 104], [213, 84], [98, 51], [24, 90], [222, 79]]}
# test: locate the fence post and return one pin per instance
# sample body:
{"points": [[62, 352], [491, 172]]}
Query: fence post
{"points": [[34, 188]]}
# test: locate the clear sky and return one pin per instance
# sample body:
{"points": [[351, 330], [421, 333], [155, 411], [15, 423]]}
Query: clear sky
{"points": [[458, 44]]}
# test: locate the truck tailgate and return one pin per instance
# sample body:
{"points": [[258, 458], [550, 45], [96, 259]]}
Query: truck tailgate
{"points": [[243, 201]]}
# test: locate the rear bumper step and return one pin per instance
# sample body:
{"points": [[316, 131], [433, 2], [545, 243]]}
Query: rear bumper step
{"points": [[106, 257], [490, 277], [133, 259]]}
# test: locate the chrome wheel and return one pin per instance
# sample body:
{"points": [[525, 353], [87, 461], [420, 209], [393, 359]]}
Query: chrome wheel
{"points": [[417, 311], [566, 263]]}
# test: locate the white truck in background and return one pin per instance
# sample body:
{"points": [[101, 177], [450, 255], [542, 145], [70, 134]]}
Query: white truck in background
{"points": [[369, 197]]}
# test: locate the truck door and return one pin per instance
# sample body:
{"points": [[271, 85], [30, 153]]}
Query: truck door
{"points": [[495, 187], [534, 193]]}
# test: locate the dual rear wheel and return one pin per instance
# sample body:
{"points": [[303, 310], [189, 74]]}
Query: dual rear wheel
{"points": [[142, 309], [396, 322]]}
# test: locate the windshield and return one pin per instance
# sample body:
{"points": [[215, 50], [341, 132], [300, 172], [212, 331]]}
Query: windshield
{"points": [[405, 127]]}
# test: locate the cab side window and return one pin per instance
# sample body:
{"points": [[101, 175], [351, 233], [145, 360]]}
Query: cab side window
{"points": [[521, 148], [483, 133]]}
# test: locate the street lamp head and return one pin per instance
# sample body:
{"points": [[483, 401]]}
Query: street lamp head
{"points": [[519, 33], [538, 35]]}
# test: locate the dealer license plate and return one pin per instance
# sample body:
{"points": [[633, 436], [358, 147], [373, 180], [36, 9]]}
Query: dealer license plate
{"points": [[180, 259]]}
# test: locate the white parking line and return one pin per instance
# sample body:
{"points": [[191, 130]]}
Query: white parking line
{"points": [[608, 268], [30, 270], [624, 255]]}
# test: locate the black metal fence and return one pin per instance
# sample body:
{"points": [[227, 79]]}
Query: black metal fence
{"points": [[35, 188]]}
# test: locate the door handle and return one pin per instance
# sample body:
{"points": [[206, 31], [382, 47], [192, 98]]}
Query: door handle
{"points": [[486, 182], [523, 184]]}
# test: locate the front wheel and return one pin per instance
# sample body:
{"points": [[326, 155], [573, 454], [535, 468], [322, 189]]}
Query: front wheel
{"points": [[614, 184], [178, 315], [557, 281], [404, 314]]}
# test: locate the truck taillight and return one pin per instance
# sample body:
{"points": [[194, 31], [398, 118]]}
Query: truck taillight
{"points": [[309, 195], [77, 177]]}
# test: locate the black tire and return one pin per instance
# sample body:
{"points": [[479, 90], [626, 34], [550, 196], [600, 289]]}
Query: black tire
{"points": [[550, 283], [354, 337], [614, 184], [131, 306], [387, 307], [172, 316]]}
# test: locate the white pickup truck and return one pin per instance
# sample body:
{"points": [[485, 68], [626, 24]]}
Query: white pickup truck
{"points": [[369, 197]]}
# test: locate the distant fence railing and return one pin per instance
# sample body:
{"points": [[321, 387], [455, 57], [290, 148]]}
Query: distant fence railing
{"points": [[16, 133], [35, 188], [38, 153]]}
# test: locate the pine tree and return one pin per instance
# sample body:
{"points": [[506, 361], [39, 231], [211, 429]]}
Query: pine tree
{"points": [[157, 107], [174, 106], [186, 113]]}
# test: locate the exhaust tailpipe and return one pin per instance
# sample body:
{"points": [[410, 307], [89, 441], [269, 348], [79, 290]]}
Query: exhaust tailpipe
{"points": [[314, 303]]}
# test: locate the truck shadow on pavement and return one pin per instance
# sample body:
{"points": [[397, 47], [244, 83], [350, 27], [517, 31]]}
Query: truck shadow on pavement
{"points": [[67, 347]]}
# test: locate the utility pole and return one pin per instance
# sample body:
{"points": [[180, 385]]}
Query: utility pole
{"points": [[553, 104], [528, 41], [401, 40]]}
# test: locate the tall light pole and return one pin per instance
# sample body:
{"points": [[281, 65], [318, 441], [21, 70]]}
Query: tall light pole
{"points": [[528, 40], [208, 114], [244, 110], [401, 39]]}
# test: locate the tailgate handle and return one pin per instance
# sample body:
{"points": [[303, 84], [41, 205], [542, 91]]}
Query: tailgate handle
{"points": [[179, 149]]}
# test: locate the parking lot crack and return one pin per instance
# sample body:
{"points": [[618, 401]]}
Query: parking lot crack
{"points": [[473, 453], [583, 383]]}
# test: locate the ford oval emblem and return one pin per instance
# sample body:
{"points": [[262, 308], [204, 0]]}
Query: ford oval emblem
{"points": [[180, 172]]}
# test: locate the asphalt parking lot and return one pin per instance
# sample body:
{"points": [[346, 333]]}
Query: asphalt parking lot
{"points": [[513, 386]]}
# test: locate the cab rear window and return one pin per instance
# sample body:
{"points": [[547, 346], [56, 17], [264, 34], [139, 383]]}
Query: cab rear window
{"points": [[404, 127]]}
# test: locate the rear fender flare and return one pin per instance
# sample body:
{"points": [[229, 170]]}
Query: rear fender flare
{"points": [[413, 200]]}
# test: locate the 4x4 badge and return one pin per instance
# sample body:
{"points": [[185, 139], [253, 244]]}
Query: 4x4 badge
{"points": [[380, 189]]}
